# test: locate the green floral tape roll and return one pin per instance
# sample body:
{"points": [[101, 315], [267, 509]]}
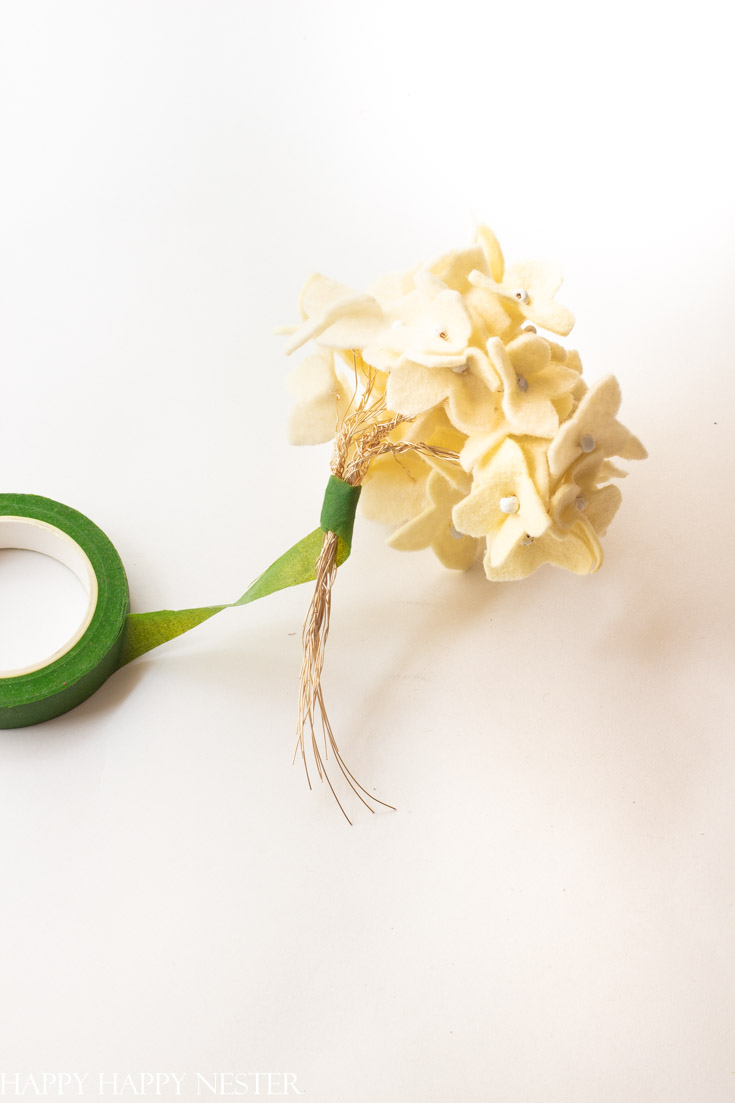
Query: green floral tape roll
{"points": [[110, 636], [68, 677]]}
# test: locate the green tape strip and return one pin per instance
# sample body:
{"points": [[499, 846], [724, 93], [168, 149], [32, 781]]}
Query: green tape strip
{"points": [[116, 637]]}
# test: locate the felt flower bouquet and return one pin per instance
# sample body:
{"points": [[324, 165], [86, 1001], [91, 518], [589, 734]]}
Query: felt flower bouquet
{"points": [[469, 431]]}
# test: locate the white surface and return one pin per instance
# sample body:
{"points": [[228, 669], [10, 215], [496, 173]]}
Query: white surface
{"points": [[548, 918]]}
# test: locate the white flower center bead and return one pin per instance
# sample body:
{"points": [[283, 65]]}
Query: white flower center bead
{"points": [[580, 502], [521, 295], [522, 383], [509, 504], [587, 442]]}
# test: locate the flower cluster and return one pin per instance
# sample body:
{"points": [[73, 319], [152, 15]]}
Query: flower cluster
{"points": [[453, 348]]}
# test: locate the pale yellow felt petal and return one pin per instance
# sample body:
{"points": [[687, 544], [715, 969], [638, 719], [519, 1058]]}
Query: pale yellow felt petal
{"points": [[574, 552], [454, 267], [552, 316], [442, 336], [470, 405], [574, 361], [350, 322], [610, 470], [432, 427], [448, 484], [529, 354], [540, 282], [413, 388], [562, 505], [313, 418], [429, 284], [479, 365], [584, 532], [506, 476], [416, 533], [594, 417], [534, 451], [394, 285], [452, 473], [558, 352], [500, 362], [505, 539], [455, 551], [575, 496], [529, 412], [478, 514], [489, 317], [535, 276], [479, 447], [525, 403], [429, 326], [633, 449], [313, 422], [493, 253], [602, 506], [563, 404], [319, 293], [395, 488], [313, 377], [433, 527]]}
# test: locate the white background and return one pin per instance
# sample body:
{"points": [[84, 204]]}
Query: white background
{"points": [[548, 917]]}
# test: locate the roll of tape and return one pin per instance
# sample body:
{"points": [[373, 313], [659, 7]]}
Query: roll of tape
{"points": [[75, 671]]}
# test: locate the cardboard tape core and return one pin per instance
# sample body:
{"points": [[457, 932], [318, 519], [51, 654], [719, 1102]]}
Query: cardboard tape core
{"points": [[30, 534]]}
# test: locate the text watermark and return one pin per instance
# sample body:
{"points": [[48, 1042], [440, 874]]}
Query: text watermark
{"points": [[131, 1085]]}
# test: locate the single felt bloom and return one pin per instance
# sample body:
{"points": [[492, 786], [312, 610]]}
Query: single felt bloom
{"points": [[577, 550], [531, 381], [505, 507], [527, 291], [467, 393], [582, 493], [429, 326], [335, 316], [433, 527], [594, 428]]}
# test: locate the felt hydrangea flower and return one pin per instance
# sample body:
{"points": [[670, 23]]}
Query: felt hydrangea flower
{"points": [[489, 432]]}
